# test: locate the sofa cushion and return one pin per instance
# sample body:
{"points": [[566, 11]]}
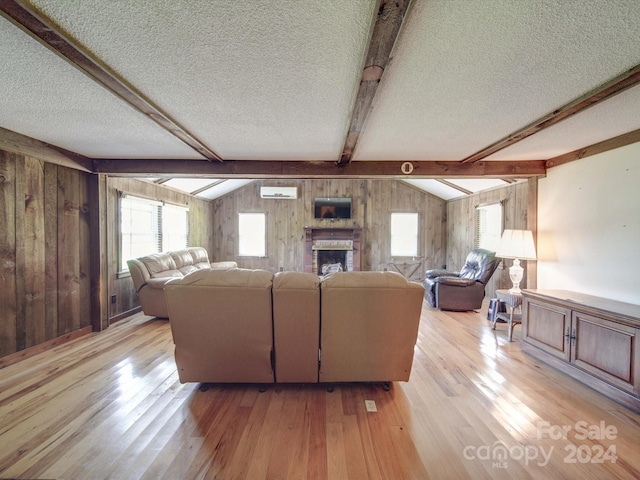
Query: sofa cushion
{"points": [[199, 257], [160, 265], [296, 326], [182, 258]]}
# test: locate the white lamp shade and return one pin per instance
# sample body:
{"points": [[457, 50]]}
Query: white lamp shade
{"points": [[517, 244]]}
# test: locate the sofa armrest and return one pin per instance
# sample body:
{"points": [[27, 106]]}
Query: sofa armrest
{"points": [[438, 272], [455, 281], [160, 282], [139, 273]]}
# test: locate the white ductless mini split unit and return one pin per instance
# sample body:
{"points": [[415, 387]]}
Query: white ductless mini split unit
{"points": [[279, 192]]}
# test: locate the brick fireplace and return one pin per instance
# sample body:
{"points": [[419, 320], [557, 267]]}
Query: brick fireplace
{"points": [[324, 246]]}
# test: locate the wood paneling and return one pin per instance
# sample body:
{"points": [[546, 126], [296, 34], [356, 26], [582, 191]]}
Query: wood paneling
{"points": [[98, 251], [461, 221], [200, 233], [51, 249], [8, 299], [44, 246], [373, 202], [34, 247]]}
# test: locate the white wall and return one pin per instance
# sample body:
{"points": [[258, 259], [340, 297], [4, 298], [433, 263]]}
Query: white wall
{"points": [[589, 226]]}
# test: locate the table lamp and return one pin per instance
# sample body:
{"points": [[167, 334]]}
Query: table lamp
{"points": [[516, 244]]}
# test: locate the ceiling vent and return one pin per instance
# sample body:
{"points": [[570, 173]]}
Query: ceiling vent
{"points": [[279, 192]]}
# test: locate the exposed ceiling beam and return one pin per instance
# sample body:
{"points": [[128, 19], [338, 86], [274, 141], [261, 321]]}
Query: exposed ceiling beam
{"points": [[604, 146], [49, 34], [304, 169], [17, 143], [454, 186], [385, 31], [622, 82], [207, 187]]}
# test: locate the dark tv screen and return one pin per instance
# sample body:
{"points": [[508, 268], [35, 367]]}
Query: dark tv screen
{"points": [[332, 207]]}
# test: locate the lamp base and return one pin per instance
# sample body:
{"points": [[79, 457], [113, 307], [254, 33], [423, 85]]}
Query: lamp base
{"points": [[516, 272]]}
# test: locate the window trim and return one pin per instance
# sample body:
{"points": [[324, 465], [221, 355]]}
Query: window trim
{"points": [[488, 206]]}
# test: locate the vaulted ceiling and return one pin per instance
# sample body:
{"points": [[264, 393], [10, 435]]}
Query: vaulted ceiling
{"points": [[471, 93]]}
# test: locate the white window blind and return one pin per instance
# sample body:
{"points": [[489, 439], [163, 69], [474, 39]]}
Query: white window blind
{"points": [[149, 226], [404, 234], [139, 228], [252, 235], [175, 227], [488, 226]]}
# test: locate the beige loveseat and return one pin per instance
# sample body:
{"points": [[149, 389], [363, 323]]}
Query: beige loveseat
{"points": [[151, 272], [251, 326]]}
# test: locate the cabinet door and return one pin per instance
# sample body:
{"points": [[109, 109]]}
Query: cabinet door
{"points": [[605, 349], [545, 326]]}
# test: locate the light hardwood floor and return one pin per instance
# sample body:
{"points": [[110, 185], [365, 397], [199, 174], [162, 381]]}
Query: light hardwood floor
{"points": [[110, 405]]}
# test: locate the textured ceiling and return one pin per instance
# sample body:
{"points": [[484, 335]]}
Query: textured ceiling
{"points": [[466, 73], [253, 80], [45, 98], [614, 117], [264, 80]]}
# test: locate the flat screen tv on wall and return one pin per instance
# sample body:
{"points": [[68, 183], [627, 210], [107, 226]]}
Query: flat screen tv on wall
{"points": [[332, 207]]}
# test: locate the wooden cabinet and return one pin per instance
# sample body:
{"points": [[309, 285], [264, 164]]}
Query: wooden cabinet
{"points": [[590, 338]]}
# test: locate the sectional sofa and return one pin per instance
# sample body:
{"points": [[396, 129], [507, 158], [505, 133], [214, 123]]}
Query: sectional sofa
{"points": [[253, 326], [151, 272]]}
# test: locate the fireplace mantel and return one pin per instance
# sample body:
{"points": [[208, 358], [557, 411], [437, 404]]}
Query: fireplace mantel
{"points": [[326, 236]]}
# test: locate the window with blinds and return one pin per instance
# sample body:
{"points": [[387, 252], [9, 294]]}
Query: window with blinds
{"points": [[488, 226], [149, 226], [175, 227]]}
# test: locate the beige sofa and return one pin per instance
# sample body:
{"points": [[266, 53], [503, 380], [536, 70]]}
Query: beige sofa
{"points": [[151, 272], [369, 326], [251, 326]]}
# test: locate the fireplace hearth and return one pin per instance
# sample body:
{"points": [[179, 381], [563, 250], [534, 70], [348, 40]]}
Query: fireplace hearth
{"points": [[331, 260], [331, 246]]}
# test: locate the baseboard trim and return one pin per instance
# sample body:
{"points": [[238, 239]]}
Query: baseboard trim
{"points": [[42, 347], [124, 315]]}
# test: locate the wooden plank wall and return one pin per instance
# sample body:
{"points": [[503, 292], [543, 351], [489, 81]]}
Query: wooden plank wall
{"points": [[44, 252], [373, 202], [461, 220], [200, 233]]}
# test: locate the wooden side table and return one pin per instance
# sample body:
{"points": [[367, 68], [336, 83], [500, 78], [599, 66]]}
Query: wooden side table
{"points": [[514, 301]]}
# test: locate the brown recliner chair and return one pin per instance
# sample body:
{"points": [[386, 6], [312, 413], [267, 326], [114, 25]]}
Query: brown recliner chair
{"points": [[463, 290]]}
